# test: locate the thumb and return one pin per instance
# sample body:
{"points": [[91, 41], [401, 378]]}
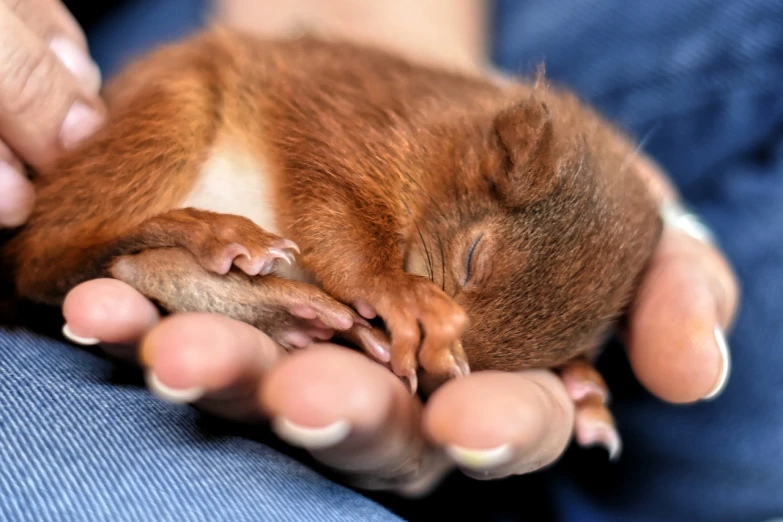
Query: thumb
{"points": [[43, 108]]}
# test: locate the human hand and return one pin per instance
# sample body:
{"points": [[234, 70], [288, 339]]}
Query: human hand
{"points": [[358, 418], [48, 96]]}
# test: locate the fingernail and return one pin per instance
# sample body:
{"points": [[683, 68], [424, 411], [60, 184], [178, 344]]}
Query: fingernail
{"points": [[84, 341], [413, 382], [78, 62], [723, 347], [480, 459], [311, 438], [172, 395], [600, 434], [80, 122]]}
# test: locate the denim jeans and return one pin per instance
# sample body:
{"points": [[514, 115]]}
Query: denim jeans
{"points": [[699, 82], [81, 440]]}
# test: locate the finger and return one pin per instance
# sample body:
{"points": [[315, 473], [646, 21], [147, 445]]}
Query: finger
{"points": [[676, 341], [211, 360], [47, 18], [354, 416], [723, 281], [56, 27], [16, 192], [43, 108], [496, 424], [110, 313]]}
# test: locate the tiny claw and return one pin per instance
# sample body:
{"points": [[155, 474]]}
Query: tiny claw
{"points": [[412, 381], [277, 253], [266, 267], [290, 245], [405, 366], [378, 350], [366, 339], [455, 370], [460, 368], [600, 434], [460, 360]]}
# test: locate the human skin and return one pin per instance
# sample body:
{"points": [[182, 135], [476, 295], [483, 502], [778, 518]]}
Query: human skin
{"points": [[48, 95], [357, 417]]}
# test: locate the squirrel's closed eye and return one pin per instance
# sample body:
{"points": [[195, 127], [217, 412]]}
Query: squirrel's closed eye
{"points": [[469, 259]]}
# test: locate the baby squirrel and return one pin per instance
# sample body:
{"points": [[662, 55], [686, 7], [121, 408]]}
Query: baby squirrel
{"points": [[307, 186]]}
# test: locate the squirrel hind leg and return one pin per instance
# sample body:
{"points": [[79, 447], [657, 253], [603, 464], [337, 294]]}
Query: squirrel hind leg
{"points": [[292, 313], [594, 422]]}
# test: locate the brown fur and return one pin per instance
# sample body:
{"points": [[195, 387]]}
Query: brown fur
{"points": [[178, 282], [381, 159]]}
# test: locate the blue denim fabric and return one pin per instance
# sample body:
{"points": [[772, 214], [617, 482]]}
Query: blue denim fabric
{"points": [[702, 80], [81, 440]]}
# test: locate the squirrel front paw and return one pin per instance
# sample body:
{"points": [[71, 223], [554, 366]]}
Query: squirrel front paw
{"points": [[425, 326]]}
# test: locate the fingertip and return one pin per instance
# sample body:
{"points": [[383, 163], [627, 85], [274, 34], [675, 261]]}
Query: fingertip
{"points": [[17, 196], [170, 394], [81, 121], [496, 424], [353, 415], [310, 437], [672, 343], [725, 369], [77, 61], [108, 310], [314, 387], [174, 357], [206, 351], [485, 411]]}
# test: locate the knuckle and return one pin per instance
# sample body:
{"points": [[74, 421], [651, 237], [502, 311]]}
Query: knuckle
{"points": [[28, 82]]}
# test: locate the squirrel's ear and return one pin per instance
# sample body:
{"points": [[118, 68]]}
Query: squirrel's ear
{"points": [[526, 137]]}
